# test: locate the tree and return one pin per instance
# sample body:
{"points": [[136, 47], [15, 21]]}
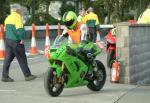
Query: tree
{"points": [[117, 10], [139, 6], [114, 10], [66, 7], [27, 4], [47, 8], [4, 10]]}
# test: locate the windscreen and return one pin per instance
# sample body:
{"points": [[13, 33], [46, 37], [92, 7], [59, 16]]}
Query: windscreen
{"points": [[59, 40]]}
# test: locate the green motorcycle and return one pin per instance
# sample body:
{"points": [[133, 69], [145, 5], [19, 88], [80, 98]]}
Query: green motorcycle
{"points": [[73, 65]]}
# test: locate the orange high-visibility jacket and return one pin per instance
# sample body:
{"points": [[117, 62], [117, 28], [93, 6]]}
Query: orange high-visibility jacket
{"points": [[75, 34]]}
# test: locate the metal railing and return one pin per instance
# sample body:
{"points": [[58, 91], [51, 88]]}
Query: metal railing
{"points": [[62, 27]]}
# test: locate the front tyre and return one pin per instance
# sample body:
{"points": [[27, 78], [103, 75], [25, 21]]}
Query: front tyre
{"points": [[99, 77], [52, 87]]}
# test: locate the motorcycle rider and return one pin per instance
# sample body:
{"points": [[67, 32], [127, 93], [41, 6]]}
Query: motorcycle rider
{"points": [[76, 32]]}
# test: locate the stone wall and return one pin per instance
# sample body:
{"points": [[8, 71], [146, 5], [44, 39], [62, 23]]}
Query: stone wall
{"points": [[133, 52]]}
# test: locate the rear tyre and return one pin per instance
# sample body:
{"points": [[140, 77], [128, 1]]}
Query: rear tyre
{"points": [[51, 86], [99, 77], [110, 58]]}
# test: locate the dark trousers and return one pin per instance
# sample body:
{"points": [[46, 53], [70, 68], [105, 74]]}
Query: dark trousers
{"points": [[14, 49], [92, 34]]}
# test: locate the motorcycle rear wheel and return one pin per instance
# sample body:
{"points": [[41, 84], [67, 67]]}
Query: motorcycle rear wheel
{"points": [[53, 89], [99, 78]]}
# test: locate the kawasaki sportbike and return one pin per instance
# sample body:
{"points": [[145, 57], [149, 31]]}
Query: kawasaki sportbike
{"points": [[73, 65]]}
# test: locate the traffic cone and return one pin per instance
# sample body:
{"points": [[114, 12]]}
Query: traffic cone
{"points": [[47, 52], [2, 46], [99, 43], [115, 72], [47, 43], [59, 29], [33, 50], [47, 40]]}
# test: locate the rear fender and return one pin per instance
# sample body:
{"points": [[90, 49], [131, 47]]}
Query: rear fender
{"points": [[112, 48]]}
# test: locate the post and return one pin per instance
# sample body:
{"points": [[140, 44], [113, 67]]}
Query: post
{"points": [[59, 27], [133, 52]]}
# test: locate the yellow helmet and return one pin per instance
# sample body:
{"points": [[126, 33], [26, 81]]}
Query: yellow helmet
{"points": [[70, 19]]}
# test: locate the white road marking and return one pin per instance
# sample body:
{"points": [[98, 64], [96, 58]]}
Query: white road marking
{"points": [[32, 58], [7, 90]]}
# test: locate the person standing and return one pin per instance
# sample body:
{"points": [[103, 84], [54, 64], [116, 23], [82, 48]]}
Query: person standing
{"points": [[145, 16], [92, 22], [81, 15], [14, 35]]}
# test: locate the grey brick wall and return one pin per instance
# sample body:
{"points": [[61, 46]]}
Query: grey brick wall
{"points": [[133, 52]]}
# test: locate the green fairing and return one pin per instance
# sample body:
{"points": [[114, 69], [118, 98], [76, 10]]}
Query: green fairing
{"points": [[74, 66]]}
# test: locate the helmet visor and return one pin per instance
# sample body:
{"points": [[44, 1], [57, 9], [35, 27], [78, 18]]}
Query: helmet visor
{"points": [[69, 23]]}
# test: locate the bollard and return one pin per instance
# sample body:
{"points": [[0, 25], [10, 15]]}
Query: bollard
{"points": [[47, 43], [47, 40], [58, 30], [2, 46], [33, 50], [99, 43]]}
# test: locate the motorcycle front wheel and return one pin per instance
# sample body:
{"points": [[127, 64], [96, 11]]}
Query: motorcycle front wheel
{"points": [[99, 77], [52, 87]]}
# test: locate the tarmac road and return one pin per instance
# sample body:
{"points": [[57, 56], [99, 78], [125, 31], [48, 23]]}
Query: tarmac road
{"points": [[22, 91]]}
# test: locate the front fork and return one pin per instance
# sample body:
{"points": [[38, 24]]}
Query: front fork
{"points": [[59, 76], [91, 70]]}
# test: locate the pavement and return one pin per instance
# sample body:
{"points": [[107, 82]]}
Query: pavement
{"points": [[22, 91]]}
